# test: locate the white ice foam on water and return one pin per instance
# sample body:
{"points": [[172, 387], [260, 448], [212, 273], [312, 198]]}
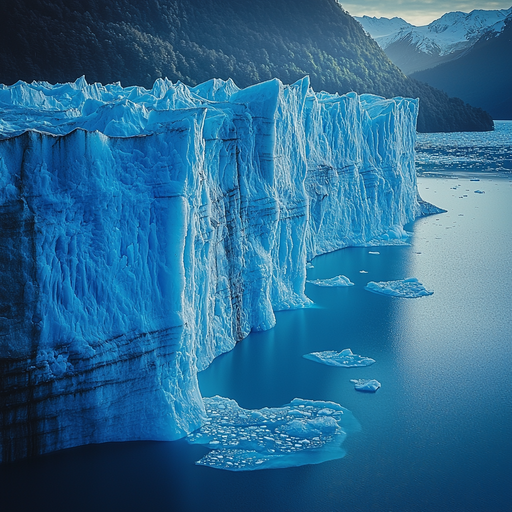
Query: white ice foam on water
{"points": [[407, 288], [366, 385], [301, 432], [333, 281], [345, 358]]}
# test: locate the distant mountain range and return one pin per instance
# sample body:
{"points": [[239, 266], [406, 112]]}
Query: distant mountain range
{"points": [[465, 55], [195, 40], [414, 48]]}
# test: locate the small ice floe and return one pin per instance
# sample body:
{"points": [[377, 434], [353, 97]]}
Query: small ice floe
{"points": [[373, 252], [366, 385], [396, 235], [345, 358], [309, 265], [333, 281], [363, 271], [407, 288], [301, 432], [479, 192]]}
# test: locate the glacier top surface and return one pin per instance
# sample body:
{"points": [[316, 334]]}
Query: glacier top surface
{"points": [[118, 111]]}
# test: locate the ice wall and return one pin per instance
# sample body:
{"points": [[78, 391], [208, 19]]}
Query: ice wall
{"points": [[145, 232]]}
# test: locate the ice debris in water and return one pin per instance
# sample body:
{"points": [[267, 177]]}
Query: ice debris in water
{"points": [[345, 358], [396, 235], [407, 288], [301, 432], [366, 385], [333, 281]]}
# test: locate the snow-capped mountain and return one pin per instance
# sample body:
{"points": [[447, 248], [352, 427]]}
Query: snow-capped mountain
{"points": [[382, 28], [414, 48], [482, 76]]}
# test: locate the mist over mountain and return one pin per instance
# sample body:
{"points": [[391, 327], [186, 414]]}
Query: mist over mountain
{"points": [[195, 40]]}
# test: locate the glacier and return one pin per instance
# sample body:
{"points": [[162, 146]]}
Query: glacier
{"points": [[145, 232]]}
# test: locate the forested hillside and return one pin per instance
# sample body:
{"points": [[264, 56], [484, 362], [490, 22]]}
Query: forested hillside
{"points": [[194, 40]]}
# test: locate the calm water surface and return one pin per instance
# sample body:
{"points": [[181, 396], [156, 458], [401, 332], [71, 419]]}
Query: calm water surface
{"points": [[436, 437]]}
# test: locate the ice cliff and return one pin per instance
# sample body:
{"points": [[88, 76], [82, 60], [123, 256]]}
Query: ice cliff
{"points": [[145, 232]]}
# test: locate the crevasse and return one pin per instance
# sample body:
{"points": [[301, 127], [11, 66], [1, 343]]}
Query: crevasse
{"points": [[145, 232]]}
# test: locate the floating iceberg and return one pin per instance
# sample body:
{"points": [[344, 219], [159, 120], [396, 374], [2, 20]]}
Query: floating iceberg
{"points": [[345, 358], [396, 235], [407, 288], [146, 231], [333, 281], [301, 432], [366, 385]]}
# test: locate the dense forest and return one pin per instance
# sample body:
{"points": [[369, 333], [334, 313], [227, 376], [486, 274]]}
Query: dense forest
{"points": [[137, 42]]}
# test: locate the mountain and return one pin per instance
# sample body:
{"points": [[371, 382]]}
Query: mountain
{"points": [[482, 76], [195, 40], [414, 48]]}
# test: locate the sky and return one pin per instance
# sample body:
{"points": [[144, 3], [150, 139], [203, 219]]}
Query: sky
{"points": [[418, 12]]}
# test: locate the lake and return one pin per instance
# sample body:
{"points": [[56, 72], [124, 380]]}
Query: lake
{"points": [[435, 437]]}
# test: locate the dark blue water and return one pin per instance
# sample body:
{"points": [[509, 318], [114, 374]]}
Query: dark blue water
{"points": [[436, 437]]}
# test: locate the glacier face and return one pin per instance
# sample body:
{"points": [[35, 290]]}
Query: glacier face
{"points": [[145, 232]]}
